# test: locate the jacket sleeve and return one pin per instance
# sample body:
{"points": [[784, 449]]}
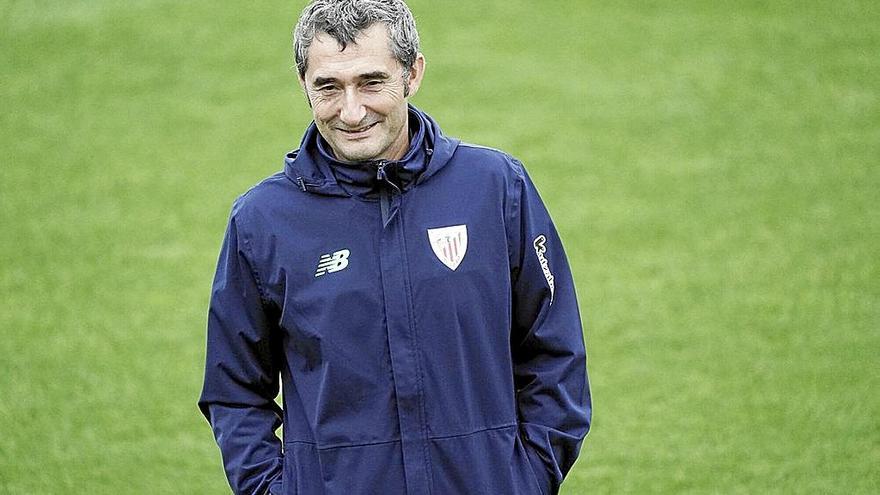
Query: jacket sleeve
{"points": [[553, 395], [241, 372]]}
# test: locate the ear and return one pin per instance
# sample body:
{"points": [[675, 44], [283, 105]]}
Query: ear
{"points": [[302, 85], [416, 74]]}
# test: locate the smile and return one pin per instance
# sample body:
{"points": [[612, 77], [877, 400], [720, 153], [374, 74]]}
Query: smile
{"points": [[356, 133]]}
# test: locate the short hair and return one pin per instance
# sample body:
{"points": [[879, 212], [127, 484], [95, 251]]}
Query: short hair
{"points": [[344, 20]]}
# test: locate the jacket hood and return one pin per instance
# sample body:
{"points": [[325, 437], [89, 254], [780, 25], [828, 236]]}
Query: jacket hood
{"points": [[314, 169]]}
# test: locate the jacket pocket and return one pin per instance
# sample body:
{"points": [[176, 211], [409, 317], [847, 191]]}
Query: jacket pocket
{"points": [[487, 462], [527, 466], [302, 470], [362, 469]]}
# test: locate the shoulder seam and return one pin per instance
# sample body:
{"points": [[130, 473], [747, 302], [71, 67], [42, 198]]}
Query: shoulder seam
{"points": [[274, 176], [487, 148], [514, 163]]}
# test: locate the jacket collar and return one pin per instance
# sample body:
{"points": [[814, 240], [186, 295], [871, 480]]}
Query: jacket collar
{"points": [[314, 169]]}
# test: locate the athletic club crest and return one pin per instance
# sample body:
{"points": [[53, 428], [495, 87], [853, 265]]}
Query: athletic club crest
{"points": [[449, 244]]}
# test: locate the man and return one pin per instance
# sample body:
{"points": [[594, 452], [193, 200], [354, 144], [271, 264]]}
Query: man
{"points": [[410, 290]]}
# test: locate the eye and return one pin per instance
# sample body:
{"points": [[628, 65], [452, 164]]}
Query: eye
{"points": [[373, 84], [327, 88]]}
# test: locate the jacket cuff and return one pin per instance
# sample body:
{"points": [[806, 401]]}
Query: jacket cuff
{"points": [[544, 476]]}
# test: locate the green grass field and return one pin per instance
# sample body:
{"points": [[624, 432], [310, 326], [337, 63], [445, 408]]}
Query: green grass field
{"points": [[714, 169]]}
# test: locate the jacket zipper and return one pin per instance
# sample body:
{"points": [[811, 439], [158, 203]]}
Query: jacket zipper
{"points": [[403, 346], [385, 192]]}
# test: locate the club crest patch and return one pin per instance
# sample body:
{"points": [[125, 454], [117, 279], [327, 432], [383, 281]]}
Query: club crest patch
{"points": [[540, 244], [449, 244]]}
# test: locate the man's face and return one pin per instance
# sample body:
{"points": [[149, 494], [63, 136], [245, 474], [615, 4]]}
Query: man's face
{"points": [[358, 96]]}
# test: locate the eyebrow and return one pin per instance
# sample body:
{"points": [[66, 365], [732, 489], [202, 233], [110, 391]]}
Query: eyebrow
{"points": [[320, 81], [375, 75]]}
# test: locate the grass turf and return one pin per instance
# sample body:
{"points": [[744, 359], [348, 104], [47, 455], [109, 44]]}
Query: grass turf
{"points": [[712, 167]]}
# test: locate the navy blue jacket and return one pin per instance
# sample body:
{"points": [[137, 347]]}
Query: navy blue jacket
{"points": [[421, 316]]}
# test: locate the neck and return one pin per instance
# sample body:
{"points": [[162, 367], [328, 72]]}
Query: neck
{"points": [[400, 146]]}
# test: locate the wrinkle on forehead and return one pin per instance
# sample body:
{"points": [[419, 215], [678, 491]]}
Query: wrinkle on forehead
{"points": [[371, 48]]}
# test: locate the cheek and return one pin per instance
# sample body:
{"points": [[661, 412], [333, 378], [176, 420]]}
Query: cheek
{"points": [[323, 109], [384, 101]]}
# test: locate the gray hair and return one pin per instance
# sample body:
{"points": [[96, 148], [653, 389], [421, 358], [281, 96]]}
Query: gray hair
{"points": [[344, 20]]}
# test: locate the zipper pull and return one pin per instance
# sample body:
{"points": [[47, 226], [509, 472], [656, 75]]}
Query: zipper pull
{"points": [[380, 172]]}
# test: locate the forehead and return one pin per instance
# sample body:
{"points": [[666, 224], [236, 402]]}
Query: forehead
{"points": [[370, 52]]}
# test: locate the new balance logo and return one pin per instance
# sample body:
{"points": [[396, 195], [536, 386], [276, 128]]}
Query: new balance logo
{"points": [[330, 263], [540, 244]]}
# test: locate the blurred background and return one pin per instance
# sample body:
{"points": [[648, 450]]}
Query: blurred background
{"points": [[712, 167]]}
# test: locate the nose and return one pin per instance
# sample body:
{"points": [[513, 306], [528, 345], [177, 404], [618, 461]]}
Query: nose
{"points": [[353, 110]]}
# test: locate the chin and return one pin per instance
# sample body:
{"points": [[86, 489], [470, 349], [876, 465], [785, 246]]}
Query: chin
{"points": [[358, 156], [360, 153]]}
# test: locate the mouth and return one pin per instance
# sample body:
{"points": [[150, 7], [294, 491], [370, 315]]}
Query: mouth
{"points": [[357, 133]]}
